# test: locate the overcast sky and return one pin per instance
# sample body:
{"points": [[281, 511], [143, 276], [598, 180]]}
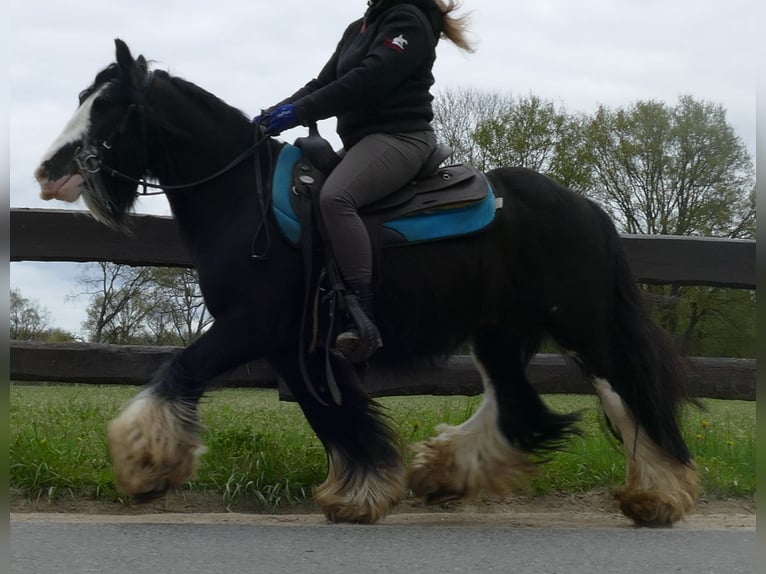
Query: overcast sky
{"points": [[578, 54]]}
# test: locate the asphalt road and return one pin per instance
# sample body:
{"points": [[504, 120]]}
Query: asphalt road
{"points": [[58, 545]]}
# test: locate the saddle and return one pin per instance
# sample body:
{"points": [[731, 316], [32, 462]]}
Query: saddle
{"points": [[440, 203]]}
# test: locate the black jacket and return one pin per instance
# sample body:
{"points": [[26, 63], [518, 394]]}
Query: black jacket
{"points": [[379, 77]]}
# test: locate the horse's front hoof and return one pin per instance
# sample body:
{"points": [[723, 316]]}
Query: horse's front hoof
{"points": [[360, 496], [154, 446]]}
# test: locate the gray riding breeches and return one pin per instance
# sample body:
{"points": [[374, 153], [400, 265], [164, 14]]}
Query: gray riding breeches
{"points": [[376, 166]]}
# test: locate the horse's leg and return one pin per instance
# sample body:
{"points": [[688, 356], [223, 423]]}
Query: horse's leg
{"points": [[661, 484], [365, 476], [154, 442], [659, 489], [639, 380], [491, 450]]}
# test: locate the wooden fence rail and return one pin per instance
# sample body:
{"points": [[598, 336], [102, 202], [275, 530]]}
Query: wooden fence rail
{"points": [[65, 235], [86, 363]]}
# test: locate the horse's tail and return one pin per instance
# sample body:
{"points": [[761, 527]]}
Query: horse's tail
{"points": [[646, 370]]}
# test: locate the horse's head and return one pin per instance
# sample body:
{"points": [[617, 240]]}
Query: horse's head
{"points": [[102, 125]]}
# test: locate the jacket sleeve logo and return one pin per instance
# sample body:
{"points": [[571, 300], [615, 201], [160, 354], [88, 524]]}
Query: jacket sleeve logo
{"points": [[397, 43]]}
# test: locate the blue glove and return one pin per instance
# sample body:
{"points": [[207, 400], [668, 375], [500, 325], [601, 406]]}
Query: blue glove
{"points": [[281, 119]]}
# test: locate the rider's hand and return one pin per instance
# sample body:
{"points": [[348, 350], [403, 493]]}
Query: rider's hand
{"points": [[280, 119]]}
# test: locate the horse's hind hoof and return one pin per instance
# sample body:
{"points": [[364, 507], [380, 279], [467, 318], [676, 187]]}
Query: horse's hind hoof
{"points": [[461, 463], [652, 509]]}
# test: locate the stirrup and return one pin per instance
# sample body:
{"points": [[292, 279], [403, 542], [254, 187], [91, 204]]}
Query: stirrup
{"points": [[358, 342]]}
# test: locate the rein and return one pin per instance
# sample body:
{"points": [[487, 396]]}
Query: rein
{"points": [[91, 158]]}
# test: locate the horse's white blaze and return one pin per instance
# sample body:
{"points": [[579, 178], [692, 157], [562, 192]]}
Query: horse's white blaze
{"points": [[658, 490], [67, 187], [77, 127], [349, 495], [465, 460], [154, 445]]}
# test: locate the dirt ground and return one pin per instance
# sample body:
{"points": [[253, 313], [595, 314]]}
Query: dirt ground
{"points": [[593, 509]]}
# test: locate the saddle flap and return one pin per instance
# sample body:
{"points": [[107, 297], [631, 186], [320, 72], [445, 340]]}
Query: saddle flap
{"points": [[455, 184]]}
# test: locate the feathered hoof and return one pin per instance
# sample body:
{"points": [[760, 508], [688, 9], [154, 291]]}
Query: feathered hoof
{"points": [[338, 509], [154, 446], [658, 494], [433, 476], [358, 496], [459, 465], [656, 509]]}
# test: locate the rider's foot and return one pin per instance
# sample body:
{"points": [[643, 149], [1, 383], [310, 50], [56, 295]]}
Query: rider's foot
{"points": [[360, 337]]}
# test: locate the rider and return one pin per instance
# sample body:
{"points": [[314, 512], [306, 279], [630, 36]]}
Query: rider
{"points": [[377, 85]]}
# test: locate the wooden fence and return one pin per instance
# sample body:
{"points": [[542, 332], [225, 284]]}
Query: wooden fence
{"points": [[63, 235]]}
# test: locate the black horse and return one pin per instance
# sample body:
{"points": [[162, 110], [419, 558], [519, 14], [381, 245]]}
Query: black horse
{"points": [[551, 264]]}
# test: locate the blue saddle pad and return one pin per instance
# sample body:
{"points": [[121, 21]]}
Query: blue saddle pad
{"points": [[431, 225]]}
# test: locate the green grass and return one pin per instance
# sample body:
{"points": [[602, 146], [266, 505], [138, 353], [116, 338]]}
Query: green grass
{"points": [[263, 451]]}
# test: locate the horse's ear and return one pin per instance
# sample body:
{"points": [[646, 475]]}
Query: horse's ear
{"points": [[124, 58], [141, 68], [133, 70]]}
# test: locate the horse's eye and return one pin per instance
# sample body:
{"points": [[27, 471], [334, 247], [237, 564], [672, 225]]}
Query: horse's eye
{"points": [[100, 105]]}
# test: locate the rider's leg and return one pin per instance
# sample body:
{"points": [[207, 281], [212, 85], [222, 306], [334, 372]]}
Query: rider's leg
{"points": [[376, 166]]}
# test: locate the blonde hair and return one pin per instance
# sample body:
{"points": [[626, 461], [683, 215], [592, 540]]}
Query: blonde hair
{"points": [[455, 28]]}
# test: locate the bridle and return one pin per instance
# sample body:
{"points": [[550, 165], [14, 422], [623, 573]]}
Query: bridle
{"points": [[90, 162]]}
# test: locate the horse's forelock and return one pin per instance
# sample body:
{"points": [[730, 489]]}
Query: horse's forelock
{"points": [[108, 74]]}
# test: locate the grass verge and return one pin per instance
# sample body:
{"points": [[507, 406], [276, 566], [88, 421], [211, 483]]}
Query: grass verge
{"points": [[263, 450]]}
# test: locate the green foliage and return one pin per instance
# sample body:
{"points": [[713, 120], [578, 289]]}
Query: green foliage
{"points": [[671, 170], [264, 455], [28, 321], [706, 321], [143, 305], [492, 130]]}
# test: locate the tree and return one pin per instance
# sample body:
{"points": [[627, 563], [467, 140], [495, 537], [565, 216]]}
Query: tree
{"points": [[27, 319], [118, 303], [491, 131], [457, 115], [143, 305], [672, 170], [678, 170], [179, 312]]}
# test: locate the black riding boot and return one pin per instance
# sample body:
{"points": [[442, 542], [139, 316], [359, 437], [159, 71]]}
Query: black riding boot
{"points": [[360, 337]]}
